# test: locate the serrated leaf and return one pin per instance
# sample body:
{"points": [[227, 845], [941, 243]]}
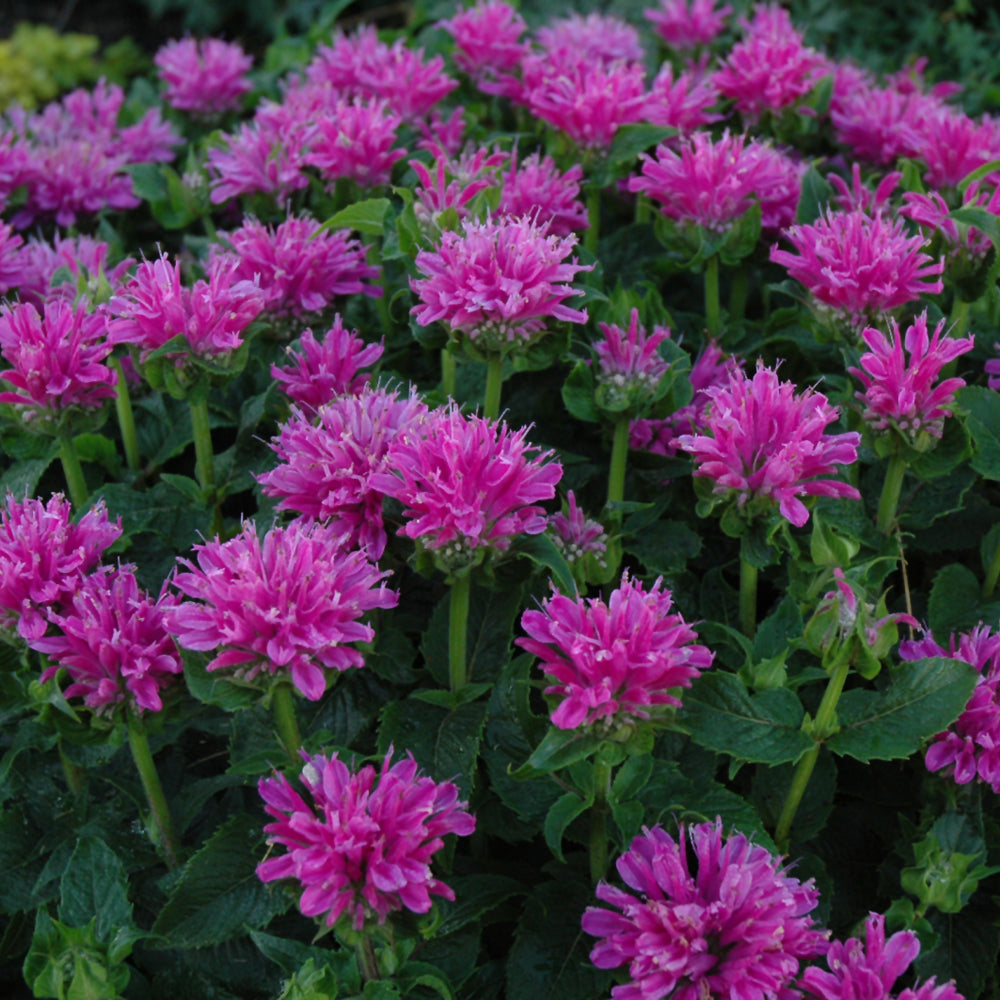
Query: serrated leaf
{"points": [[218, 894], [721, 715], [969, 943], [982, 407], [559, 748], [564, 810], [631, 140], [954, 599], [814, 197], [475, 895], [542, 551], [216, 688], [95, 885], [365, 217], [925, 696], [664, 547], [983, 220], [578, 393]]}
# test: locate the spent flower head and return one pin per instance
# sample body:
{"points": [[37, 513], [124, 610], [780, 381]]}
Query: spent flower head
{"points": [[361, 849], [616, 662], [709, 916]]}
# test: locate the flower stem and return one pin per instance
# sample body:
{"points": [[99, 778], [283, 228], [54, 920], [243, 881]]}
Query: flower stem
{"points": [[126, 419], [458, 629], [619, 460], [76, 777], [449, 372], [593, 218], [283, 706], [367, 962], [494, 381], [713, 314], [73, 470], [958, 321], [823, 727], [163, 828], [738, 295], [203, 457], [748, 593], [642, 209], [598, 823], [891, 488], [992, 573]]}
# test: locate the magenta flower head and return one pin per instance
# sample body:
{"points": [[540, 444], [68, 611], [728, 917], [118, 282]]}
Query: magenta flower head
{"points": [[535, 187], [712, 916], [44, 556], [770, 69], [899, 374], [969, 749], [470, 486], [58, 360], [614, 663], [289, 606], [113, 643], [452, 183], [871, 967], [860, 265], [764, 443], [681, 101], [205, 77], [497, 283], [629, 366], [686, 25], [578, 537], [593, 38], [328, 458], [362, 848], [487, 38], [322, 370], [297, 267]]}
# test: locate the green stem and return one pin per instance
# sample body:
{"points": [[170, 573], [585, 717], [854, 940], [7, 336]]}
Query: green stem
{"points": [[126, 419], [642, 209], [76, 777], [458, 628], [823, 727], [958, 322], [598, 823], [891, 488], [593, 218], [367, 962], [283, 706], [713, 314], [449, 372], [494, 381], [163, 832], [619, 461], [203, 456], [748, 593], [992, 574], [738, 296], [73, 470]]}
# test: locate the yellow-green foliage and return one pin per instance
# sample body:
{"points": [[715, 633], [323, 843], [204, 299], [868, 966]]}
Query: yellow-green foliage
{"points": [[37, 64]]}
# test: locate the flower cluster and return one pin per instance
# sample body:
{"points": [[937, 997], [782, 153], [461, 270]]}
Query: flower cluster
{"points": [[204, 77], [616, 662], [290, 605], [536, 187], [763, 443], [577, 535], [487, 38], [721, 918], [629, 366], [362, 849], [688, 24]]}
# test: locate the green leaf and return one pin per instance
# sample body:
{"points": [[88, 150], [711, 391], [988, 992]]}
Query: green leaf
{"points": [[475, 895], [542, 551], [216, 688], [815, 196], [969, 943], [578, 393], [924, 697], [983, 220], [631, 140], [365, 217], [631, 778], [665, 547], [559, 749], [954, 599], [291, 955], [22, 478], [218, 894], [95, 885], [982, 408], [721, 715], [564, 810]]}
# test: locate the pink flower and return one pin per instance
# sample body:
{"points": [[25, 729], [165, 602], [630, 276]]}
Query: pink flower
{"points": [[713, 183], [155, 307], [870, 968], [762, 442], [324, 370], [681, 102], [596, 38], [952, 145], [12, 260], [205, 77], [297, 266], [688, 24], [497, 282], [970, 748], [470, 486], [629, 367], [113, 644], [363, 848], [360, 65], [535, 187], [289, 606], [58, 359], [900, 390], [326, 467], [84, 257], [588, 100], [43, 557], [860, 264], [770, 69], [711, 369], [354, 140], [729, 922], [577, 535], [487, 38], [932, 213], [454, 183], [614, 663], [876, 123]]}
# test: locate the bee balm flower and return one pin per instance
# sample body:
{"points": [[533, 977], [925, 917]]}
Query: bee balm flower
{"points": [[204, 77]]}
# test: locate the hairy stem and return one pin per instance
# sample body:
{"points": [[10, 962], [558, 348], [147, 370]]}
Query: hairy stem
{"points": [[163, 827], [283, 706], [449, 372], [748, 593], [494, 382], [619, 461], [458, 629], [891, 488], [73, 471], [203, 455], [126, 419]]}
